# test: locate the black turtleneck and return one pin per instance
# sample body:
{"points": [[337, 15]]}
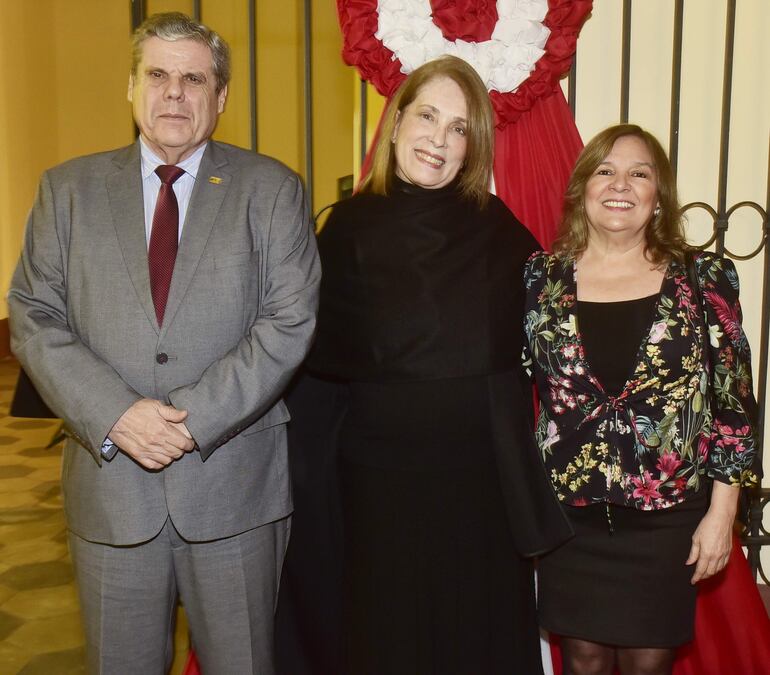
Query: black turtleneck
{"points": [[420, 284]]}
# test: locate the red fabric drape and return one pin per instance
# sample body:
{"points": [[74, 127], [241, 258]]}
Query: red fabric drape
{"points": [[192, 667], [367, 163], [534, 157], [732, 628]]}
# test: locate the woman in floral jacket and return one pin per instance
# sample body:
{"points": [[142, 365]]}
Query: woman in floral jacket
{"points": [[645, 409]]}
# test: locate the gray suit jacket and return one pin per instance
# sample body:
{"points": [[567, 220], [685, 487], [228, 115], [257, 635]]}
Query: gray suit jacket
{"points": [[239, 320]]}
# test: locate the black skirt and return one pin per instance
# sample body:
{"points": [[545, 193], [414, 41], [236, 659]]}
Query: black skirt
{"points": [[624, 585]]}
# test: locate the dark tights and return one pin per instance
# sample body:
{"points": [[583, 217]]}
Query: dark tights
{"points": [[582, 657]]}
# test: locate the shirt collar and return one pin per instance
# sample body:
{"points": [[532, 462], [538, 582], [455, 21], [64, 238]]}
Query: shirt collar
{"points": [[150, 161]]}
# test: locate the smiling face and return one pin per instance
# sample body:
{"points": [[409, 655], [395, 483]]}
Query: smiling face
{"points": [[622, 192], [174, 97], [430, 135]]}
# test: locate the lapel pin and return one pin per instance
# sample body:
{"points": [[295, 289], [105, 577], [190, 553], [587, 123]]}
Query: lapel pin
{"points": [[215, 180]]}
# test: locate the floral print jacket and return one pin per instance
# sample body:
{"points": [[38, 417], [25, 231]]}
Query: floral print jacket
{"points": [[648, 447]]}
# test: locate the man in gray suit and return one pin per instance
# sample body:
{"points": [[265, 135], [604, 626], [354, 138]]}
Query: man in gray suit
{"points": [[165, 295]]}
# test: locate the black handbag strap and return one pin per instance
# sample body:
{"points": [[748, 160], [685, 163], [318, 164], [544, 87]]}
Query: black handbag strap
{"points": [[693, 281], [692, 277]]}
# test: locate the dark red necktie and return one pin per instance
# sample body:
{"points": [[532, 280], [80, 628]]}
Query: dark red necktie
{"points": [[164, 238]]}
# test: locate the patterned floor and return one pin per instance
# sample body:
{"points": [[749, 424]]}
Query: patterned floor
{"points": [[40, 630]]}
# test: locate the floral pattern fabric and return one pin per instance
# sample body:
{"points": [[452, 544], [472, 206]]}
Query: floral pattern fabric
{"points": [[649, 446]]}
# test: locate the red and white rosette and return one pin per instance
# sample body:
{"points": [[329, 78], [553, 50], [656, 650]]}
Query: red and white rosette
{"points": [[520, 48]]}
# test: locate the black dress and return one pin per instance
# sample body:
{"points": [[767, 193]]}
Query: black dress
{"points": [[432, 580], [441, 489]]}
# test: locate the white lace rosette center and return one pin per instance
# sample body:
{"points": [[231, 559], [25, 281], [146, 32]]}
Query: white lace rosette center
{"points": [[406, 27]]}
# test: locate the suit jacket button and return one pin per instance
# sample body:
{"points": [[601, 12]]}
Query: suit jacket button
{"points": [[161, 358]]}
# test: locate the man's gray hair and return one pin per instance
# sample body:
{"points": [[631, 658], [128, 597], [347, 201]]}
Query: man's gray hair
{"points": [[174, 26]]}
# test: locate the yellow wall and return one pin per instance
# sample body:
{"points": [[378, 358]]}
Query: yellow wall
{"points": [[375, 105], [280, 97], [59, 97], [230, 18], [332, 106], [22, 152], [280, 85], [156, 6], [91, 72]]}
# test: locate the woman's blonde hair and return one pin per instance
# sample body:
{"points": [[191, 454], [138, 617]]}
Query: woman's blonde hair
{"points": [[476, 174], [664, 234]]}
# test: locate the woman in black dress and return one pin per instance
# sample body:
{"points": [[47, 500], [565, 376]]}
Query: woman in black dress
{"points": [[442, 492], [644, 377]]}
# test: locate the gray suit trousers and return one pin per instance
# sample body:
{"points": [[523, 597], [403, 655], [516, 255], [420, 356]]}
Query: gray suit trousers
{"points": [[226, 586]]}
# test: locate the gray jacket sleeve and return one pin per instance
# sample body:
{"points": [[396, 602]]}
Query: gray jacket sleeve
{"points": [[80, 387]]}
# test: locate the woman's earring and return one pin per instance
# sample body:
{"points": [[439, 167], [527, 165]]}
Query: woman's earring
{"points": [[656, 212]]}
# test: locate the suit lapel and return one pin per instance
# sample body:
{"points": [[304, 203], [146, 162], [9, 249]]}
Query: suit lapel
{"points": [[211, 186], [124, 189]]}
